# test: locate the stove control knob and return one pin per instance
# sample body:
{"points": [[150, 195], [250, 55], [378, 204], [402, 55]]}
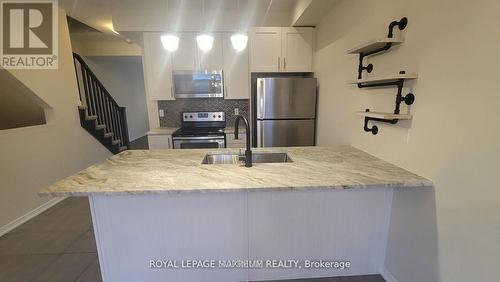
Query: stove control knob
{"points": [[185, 116], [190, 116], [214, 116], [219, 116]]}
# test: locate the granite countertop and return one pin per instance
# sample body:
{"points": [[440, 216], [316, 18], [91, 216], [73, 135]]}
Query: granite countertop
{"points": [[174, 171], [162, 131]]}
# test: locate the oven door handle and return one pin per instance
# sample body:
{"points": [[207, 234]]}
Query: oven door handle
{"points": [[199, 138]]}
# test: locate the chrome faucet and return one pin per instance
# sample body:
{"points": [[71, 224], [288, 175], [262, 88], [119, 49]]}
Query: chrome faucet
{"points": [[248, 152]]}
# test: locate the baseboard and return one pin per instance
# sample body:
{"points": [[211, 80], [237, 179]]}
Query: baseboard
{"points": [[388, 277], [22, 219]]}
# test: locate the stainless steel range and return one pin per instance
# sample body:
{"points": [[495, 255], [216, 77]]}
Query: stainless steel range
{"points": [[201, 130]]}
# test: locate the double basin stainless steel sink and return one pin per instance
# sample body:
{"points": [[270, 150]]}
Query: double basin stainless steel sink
{"points": [[257, 157]]}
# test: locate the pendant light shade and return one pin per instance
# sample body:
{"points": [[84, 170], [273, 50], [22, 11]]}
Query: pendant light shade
{"points": [[170, 42], [239, 41], [205, 42]]}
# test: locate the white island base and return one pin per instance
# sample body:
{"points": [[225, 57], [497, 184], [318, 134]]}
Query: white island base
{"points": [[328, 224]]}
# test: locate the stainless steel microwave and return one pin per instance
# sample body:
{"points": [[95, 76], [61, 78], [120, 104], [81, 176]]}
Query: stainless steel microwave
{"points": [[198, 84]]}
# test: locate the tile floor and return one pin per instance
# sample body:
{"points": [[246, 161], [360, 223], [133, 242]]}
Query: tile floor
{"points": [[57, 245]]}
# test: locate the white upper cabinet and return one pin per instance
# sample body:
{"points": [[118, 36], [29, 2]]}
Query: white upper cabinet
{"points": [[185, 57], [190, 57], [157, 68], [265, 49], [276, 49], [270, 49], [236, 72], [211, 60], [297, 49]]}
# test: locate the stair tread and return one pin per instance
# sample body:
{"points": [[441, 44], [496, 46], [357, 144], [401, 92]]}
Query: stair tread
{"points": [[82, 107], [109, 134], [100, 126], [117, 141], [90, 117], [122, 148]]}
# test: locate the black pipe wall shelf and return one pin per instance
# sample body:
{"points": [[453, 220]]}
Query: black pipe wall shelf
{"points": [[385, 115], [387, 80], [377, 46], [374, 47]]}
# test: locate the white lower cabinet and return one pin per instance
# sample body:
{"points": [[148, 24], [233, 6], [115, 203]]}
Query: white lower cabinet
{"points": [[162, 141]]}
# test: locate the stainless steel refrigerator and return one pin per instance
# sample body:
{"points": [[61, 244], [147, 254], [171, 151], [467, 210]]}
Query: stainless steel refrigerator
{"points": [[285, 112]]}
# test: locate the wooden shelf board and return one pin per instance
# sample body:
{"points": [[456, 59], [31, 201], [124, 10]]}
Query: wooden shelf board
{"points": [[386, 78], [384, 115], [374, 45]]}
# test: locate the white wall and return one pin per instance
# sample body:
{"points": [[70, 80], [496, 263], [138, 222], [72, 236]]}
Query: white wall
{"points": [[34, 157], [123, 78], [453, 138], [88, 46]]}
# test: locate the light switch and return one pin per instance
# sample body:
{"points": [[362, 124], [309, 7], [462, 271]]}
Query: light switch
{"points": [[236, 111], [161, 113]]}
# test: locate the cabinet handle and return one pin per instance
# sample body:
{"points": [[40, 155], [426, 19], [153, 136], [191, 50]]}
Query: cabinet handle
{"points": [[284, 64], [224, 84], [168, 141], [279, 63], [171, 92]]}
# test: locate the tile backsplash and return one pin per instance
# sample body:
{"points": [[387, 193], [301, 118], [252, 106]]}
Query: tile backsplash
{"points": [[174, 108]]}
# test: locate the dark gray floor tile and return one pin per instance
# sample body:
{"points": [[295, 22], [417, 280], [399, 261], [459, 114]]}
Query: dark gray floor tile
{"points": [[139, 143], [84, 244], [69, 207], [37, 243], [15, 268], [67, 267], [56, 223], [91, 274]]}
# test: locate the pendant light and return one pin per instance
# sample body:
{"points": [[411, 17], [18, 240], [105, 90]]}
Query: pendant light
{"points": [[170, 42], [205, 41], [239, 40]]}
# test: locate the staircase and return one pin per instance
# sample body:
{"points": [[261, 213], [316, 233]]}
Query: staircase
{"points": [[100, 115]]}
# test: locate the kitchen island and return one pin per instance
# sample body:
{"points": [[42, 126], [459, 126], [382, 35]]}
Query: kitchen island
{"points": [[156, 211]]}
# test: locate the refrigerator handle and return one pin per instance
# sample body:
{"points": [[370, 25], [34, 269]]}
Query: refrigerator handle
{"points": [[257, 132], [279, 63], [261, 98], [260, 134]]}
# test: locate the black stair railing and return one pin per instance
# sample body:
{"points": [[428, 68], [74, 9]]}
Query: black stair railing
{"points": [[101, 107]]}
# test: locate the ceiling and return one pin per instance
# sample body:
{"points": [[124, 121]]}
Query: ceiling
{"points": [[128, 16]]}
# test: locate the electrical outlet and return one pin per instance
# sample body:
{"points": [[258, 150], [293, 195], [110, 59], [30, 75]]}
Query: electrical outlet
{"points": [[236, 111], [161, 113]]}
